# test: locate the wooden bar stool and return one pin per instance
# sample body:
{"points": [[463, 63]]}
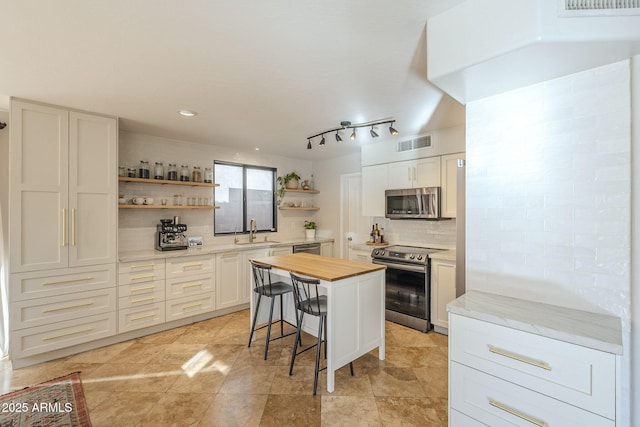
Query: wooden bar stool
{"points": [[309, 301], [263, 286]]}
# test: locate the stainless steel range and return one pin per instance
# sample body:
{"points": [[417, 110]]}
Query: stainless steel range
{"points": [[408, 284]]}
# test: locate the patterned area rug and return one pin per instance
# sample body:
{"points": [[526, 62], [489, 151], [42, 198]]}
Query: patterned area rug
{"points": [[57, 402]]}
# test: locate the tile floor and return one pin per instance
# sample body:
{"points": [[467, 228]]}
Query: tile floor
{"points": [[203, 374]]}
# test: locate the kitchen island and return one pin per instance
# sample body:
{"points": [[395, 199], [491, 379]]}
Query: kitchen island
{"points": [[355, 304]]}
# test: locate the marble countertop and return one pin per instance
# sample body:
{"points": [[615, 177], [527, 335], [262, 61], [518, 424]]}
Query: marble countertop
{"points": [[124, 256], [449, 255], [593, 330]]}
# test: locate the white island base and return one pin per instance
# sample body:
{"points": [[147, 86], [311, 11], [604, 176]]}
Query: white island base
{"points": [[355, 318]]}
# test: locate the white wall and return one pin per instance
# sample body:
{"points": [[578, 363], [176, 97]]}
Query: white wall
{"points": [[136, 228], [548, 195], [4, 216], [635, 240]]}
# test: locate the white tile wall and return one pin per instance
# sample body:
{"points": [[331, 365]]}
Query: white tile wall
{"points": [[136, 228], [435, 234], [549, 195]]}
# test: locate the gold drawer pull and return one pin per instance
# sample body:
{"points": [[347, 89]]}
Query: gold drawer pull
{"points": [[186, 307], [517, 413], [523, 359], [146, 276], [67, 334], [143, 300], [60, 282], [143, 266], [67, 307], [197, 264], [143, 316], [144, 288], [191, 285]]}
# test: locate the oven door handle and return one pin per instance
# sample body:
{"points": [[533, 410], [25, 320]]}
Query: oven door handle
{"points": [[399, 266]]}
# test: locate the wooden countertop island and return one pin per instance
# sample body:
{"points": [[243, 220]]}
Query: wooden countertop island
{"points": [[355, 304], [320, 267]]}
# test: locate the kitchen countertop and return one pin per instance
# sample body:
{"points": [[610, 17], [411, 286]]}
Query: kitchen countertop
{"points": [[448, 255], [124, 256], [320, 267], [593, 330]]}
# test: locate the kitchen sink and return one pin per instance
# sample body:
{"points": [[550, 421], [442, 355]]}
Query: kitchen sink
{"points": [[256, 242]]}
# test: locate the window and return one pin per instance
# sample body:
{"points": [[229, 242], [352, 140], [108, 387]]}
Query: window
{"points": [[246, 192]]}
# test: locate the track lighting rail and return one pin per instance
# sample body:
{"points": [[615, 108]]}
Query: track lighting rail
{"points": [[348, 125]]}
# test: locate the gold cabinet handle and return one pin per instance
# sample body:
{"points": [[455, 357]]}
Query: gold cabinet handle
{"points": [[60, 282], [67, 307], [64, 226], [145, 316], [519, 358], [517, 413], [143, 300], [146, 276], [143, 265], [73, 226], [53, 337], [191, 285], [144, 288], [186, 307], [196, 264]]}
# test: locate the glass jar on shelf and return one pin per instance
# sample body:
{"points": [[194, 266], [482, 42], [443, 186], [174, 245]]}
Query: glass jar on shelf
{"points": [[208, 175], [196, 175], [184, 173], [158, 171], [143, 169], [131, 172], [172, 174], [177, 200], [122, 171]]}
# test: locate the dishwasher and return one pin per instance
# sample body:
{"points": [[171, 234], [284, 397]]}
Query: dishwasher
{"points": [[310, 248]]}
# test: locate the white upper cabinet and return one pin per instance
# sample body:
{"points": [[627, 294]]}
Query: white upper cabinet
{"points": [[63, 188], [449, 184], [414, 173], [374, 182]]}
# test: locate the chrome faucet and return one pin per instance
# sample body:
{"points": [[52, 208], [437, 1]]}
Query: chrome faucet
{"points": [[253, 228]]}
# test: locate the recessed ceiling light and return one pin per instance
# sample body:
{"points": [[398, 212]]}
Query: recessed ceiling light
{"points": [[257, 148], [187, 113]]}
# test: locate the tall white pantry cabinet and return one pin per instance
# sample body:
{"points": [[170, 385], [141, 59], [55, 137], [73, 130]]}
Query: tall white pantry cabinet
{"points": [[62, 227]]}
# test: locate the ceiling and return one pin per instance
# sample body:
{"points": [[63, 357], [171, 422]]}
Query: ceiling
{"points": [[260, 74]]}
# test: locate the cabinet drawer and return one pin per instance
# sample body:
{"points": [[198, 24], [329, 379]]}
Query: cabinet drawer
{"points": [[183, 266], [577, 375], [459, 419], [49, 283], [495, 402], [133, 318], [41, 339], [41, 311], [189, 306], [189, 285], [141, 298], [140, 289], [140, 272]]}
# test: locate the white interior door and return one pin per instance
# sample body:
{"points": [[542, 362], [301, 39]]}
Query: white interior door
{"points": [[354, 227]]}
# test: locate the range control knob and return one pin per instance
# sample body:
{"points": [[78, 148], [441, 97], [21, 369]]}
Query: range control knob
{"points": [[382, 252], [412, 256], [376, 252], [419, 257]]}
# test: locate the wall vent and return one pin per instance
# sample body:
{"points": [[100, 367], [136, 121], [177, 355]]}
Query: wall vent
{"points": [[599, 7], [414, 144]]}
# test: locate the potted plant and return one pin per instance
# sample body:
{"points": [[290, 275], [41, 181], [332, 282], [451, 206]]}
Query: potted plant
{"points": [[290, 181], [310, 228]]}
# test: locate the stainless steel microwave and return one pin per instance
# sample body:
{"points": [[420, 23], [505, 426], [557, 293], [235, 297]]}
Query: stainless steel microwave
{"points": [[413, 203]]}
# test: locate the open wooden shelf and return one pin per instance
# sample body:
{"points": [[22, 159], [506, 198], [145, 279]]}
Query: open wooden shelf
{"points": [[286, 190], [165, 207], [291, 208], [166, 181]]}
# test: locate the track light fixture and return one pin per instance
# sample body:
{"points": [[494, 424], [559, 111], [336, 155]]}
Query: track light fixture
{"points": [[347, 125]]}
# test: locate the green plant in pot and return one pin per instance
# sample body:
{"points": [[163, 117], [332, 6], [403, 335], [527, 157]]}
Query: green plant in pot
{"points": [[290, 181], [310, 228]]}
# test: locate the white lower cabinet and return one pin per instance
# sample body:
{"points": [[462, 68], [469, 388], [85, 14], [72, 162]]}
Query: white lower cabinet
{"points": [[359, 255], [229, 277], [326, 249], [502, 376], [443, 291], [141, 294], [190, 286], [53, 309], [179, 308]]}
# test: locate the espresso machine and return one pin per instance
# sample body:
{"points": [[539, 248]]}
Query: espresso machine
{"points": [[170, 235]]}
